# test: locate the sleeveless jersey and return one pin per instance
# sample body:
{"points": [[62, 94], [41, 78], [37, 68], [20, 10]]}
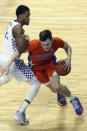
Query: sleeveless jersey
{"points": [[9, 45]]}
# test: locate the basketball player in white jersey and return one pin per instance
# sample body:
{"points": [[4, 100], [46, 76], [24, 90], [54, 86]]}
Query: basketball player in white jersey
{"points": [[14, 38]]}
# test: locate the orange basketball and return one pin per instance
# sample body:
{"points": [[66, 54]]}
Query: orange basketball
{"points": [[60, 70]]}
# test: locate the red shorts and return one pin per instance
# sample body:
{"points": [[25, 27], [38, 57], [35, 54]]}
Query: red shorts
{"points": [[43, 72]]}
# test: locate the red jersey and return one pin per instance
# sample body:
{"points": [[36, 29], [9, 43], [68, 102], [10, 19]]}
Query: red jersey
{"points": [[38, 55]]}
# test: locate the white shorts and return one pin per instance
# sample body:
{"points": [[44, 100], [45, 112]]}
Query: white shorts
{"points": [[18, 69]]}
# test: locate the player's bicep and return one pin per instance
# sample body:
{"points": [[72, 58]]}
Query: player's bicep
{"points": [[17, 32], [66, 46], [20, 38]]}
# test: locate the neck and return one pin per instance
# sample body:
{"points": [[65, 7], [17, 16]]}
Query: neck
{"points": [[19, 21]]}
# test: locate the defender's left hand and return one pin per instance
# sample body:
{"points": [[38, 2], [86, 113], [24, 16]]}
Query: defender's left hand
{"points": [[4, 69]]}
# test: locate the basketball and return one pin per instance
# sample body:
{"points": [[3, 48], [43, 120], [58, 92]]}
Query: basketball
{"points": [[60, 69]]}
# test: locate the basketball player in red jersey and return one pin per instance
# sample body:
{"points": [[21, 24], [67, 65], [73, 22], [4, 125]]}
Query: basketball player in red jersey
{"points": [[42, 61]]}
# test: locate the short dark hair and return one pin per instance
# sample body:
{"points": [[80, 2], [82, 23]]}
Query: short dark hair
{"points": [[21, 9], [44, 35]]}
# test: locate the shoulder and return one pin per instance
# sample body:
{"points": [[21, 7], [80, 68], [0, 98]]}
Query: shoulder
{"points": [[57, 39], [16, 28], [33, 45], [13, 23], [17, 31], [58, 42]]}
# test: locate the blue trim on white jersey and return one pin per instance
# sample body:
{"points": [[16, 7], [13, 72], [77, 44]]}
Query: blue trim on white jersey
{"points": [[24, 68], [29, 59], [14, 45]]}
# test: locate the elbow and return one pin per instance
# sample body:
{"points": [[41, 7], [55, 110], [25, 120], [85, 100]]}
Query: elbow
{"points": [[22, 48]]}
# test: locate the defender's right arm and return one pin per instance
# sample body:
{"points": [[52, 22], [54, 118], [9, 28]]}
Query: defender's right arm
{"points": [[22, 41], [20, 38]]}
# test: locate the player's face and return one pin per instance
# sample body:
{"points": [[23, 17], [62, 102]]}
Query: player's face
{"points": [[26, 18], [46, 44]]}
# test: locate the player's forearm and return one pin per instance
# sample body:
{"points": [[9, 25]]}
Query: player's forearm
{"points": [[22, 43], [22, 48], [14, 56]]}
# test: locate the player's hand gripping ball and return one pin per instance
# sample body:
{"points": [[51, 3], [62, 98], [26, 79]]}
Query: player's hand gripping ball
{"points": [[59, 67]]}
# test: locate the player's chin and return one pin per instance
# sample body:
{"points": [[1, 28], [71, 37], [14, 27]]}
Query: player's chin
{"points": [[27, 23], [47, 49]]}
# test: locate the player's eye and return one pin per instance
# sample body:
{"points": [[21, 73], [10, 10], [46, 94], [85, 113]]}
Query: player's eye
{"points": [[47, 44]]}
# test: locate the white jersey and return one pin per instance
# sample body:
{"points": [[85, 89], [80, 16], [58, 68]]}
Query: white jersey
{"points": [[19, 68], [9, 45]]}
